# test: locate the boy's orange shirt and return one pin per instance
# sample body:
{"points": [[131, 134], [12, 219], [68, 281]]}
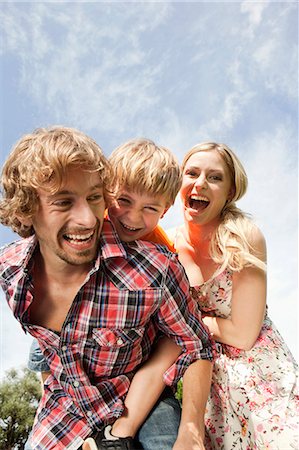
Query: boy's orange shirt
{"points": [[158, 236]]}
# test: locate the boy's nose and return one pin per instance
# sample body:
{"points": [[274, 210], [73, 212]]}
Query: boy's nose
{"points": [[134, 216]]}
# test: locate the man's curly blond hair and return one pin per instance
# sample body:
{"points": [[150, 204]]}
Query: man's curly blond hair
{"points": [[40, 160]]}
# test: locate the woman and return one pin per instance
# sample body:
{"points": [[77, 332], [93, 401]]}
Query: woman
{"points": [[253, 402]]}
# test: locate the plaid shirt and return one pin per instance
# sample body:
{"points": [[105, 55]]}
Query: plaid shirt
{"points": [[133, 291]]}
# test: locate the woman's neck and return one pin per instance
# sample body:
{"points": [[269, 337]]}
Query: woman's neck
{"points": [[198, 235]]}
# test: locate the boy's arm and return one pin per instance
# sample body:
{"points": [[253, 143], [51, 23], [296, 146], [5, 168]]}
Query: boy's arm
{"points": [[146, 387]]}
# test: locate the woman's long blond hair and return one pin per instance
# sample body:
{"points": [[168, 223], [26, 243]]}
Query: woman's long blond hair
{"points": [[230, 246]]}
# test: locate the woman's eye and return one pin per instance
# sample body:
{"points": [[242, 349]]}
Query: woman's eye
{"points": [[215, 177], [191, 173]]}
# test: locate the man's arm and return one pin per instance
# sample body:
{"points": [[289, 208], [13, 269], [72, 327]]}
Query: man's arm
{"points": [[180, 319], [196, 388]]}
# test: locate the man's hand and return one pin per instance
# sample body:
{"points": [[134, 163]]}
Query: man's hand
{"points": [[196, 388], [189, 438]]}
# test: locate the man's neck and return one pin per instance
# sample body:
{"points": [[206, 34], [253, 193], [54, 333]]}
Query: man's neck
{"points": [[59, 271]]}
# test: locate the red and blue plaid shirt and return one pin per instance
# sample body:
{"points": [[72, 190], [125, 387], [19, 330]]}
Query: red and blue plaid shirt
{"points": [[132, 292]]}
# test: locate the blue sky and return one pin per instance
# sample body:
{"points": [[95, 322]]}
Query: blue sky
{"points": [[179, 73]]}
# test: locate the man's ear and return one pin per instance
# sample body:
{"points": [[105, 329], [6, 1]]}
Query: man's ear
{"points": [[26, 221]]}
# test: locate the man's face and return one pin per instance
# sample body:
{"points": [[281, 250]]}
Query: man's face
{"points": [[136, 214], [68, 223]]}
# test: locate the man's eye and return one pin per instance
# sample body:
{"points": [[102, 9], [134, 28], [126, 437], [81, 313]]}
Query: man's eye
{"points": [[95, 198], [62, 203]]}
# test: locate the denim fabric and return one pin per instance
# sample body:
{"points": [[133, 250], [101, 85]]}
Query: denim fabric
{"points": [[37, 361], [160, 429]]}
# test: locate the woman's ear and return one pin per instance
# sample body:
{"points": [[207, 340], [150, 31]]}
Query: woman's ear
{"points": [[231, 194]]}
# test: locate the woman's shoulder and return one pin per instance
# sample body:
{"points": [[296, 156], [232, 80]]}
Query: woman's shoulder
{"points": [[256, 240]]}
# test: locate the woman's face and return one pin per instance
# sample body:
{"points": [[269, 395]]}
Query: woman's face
{"points": [[206, 187]]}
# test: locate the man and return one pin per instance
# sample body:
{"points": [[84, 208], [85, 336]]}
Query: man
{"points": [[95, 304]]}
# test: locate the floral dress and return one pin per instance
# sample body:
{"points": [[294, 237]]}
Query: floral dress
{"points": [[253, 403]]}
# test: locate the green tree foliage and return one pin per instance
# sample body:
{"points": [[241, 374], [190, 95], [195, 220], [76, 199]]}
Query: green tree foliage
{"points": [[19, 397], [179, 391]]}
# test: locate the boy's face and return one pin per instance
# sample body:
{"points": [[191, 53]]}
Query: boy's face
{"points": [[136, 214]]}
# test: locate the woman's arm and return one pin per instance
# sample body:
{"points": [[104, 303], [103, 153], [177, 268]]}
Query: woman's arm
{"points": [[248, 304], [146, 387]]}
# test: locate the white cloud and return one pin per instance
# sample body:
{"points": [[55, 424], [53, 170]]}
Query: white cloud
{"points": [[254, 10], [271, 164]]}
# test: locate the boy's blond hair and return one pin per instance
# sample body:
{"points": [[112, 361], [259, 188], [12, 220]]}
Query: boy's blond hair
{"points": [[142, 166], [40, 160]]}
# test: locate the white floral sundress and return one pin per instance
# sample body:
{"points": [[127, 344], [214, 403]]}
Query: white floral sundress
{"points": [[254, 402]]}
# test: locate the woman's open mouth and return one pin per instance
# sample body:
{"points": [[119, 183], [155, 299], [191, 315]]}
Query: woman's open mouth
{"points": [[198, 202]]}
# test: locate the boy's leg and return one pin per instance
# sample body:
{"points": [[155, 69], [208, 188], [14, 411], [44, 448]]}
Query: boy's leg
{"points": [[37, 362], [27, 444], [159, 431]]}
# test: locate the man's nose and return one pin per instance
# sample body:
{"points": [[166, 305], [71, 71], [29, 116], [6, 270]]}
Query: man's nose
{"points": [[84, 215]]}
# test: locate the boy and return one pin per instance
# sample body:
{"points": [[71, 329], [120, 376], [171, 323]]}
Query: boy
{"points": [[148, 180]]}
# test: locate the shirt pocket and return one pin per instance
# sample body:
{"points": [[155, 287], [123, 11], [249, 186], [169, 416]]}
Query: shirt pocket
{"points": [[117, 351]]}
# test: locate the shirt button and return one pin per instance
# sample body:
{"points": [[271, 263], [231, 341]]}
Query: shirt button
{"points": [[76, 383], [64, 348], [89, 413], [120, 341]]}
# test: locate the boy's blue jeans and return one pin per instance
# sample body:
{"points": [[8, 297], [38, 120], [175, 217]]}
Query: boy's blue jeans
{"points": [[160, 429]]}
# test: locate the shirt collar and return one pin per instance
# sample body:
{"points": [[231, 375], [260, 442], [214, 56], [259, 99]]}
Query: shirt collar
{"points": [[110, 244]]}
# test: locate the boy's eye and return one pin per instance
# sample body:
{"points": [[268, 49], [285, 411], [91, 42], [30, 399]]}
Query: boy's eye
{"points": [[123, 200], [151, 208]]}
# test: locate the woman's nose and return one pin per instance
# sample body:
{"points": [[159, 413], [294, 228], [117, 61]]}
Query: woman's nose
{"points": [[201, 181]]}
